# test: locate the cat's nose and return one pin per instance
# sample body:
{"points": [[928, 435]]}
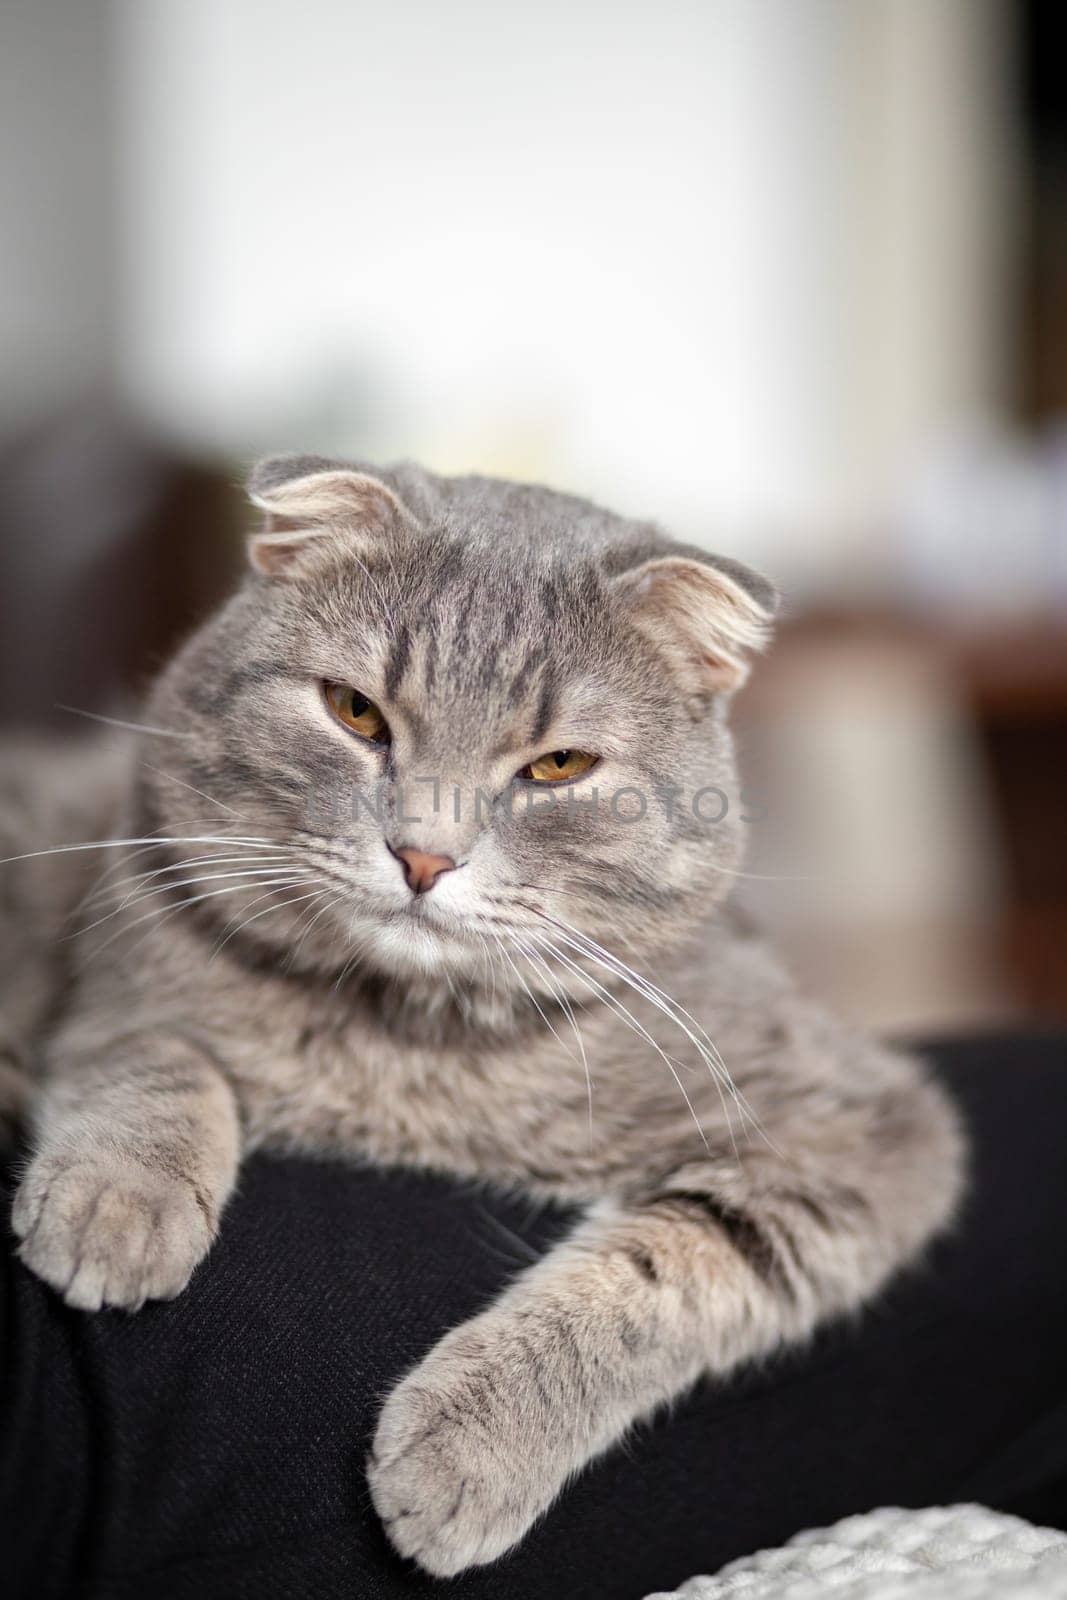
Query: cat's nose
{"points": [[421, 871]]}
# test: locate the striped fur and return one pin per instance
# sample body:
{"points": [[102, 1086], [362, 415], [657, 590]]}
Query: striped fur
{"points": [[250, 971]]}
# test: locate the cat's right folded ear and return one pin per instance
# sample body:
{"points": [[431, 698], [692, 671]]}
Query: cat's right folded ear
{"points": [[308, 502]]}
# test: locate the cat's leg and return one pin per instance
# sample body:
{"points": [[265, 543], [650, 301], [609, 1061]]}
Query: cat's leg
{"points": [[720, 1263], [136, 1151]]}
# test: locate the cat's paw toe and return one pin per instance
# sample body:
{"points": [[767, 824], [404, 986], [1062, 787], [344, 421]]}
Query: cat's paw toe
{"points": [[448, 1473], [109, 1233]]}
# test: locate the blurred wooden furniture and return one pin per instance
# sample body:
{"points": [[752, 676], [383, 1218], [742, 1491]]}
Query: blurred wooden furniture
{"points": [[1016, 679], [111, 549], [1010, 680]]}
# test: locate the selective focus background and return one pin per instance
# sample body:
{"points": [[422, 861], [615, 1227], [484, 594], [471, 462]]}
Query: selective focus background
{"points": [[788, 275]]}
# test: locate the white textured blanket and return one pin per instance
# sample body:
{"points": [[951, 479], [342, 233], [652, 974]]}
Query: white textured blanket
{"points": [[941, 1553]]}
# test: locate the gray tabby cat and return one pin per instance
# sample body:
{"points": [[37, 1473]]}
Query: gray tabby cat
{"points": [[422, 865]]}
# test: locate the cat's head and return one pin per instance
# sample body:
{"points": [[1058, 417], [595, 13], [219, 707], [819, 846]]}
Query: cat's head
{"points": [[468, 720]]}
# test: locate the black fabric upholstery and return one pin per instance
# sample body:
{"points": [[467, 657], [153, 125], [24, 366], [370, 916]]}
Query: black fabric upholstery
{"points": [[214, 1446]]}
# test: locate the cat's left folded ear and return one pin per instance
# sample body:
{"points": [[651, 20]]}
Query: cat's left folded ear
{"points": [[707, 614], [307, 501]]}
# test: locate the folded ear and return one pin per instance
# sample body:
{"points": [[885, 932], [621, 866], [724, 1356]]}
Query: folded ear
{"points": [[306, 501], [707, 615]]}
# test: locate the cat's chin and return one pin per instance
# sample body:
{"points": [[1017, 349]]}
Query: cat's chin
{"points": [[412, 949]]}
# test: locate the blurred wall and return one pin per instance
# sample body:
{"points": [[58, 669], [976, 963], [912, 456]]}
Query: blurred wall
{"points": [[57, 199], [731, 262], [747, 265]]}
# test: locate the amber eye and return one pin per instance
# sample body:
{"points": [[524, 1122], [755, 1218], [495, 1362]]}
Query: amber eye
{"points": [[558, 766], [357, 712]]}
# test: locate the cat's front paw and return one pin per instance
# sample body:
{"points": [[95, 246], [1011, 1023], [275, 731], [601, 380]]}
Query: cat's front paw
{"points": [[108, 1232], [464, 1457]]}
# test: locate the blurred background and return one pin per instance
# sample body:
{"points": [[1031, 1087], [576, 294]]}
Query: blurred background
{"points": [[788, 275]]}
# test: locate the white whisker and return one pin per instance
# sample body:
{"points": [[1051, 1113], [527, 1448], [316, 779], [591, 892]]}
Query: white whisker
{"points": [[322, 911], [135, 899], [710, 1057], [115, 844], [144, 878], [99, 883], [164, 913], [117, 722], [563, 1001], [628, 1017], [673, 1010], [353, 961], [295, 901], [192, 788]]}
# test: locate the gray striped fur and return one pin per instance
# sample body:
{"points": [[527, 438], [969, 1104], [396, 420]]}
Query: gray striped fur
{"points": [[314, 1005]]}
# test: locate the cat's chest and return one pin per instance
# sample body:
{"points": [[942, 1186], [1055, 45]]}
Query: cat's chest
{"points": [[515, 1113]]}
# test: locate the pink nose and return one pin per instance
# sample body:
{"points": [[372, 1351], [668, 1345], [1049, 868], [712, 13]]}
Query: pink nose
{"points": [[421, 871]]}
